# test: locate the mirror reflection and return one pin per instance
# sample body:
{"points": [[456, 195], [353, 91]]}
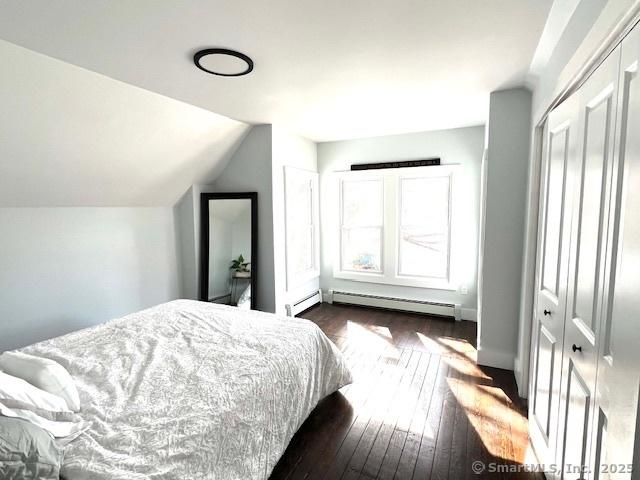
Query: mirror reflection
{"points": [[230, 252]]}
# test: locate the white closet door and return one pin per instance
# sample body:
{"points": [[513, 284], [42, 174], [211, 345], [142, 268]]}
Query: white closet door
{"points": [[592, 170], [561, 140], [616, 405]]}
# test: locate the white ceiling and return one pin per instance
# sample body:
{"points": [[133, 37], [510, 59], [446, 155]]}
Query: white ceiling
{"points": [[71, 137], [326, 69]]}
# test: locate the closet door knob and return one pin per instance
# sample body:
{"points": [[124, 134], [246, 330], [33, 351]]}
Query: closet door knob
{"points": [[576, 348], [547, 312]]}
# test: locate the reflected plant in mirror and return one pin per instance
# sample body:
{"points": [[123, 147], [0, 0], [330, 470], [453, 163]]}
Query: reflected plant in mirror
{"points": [[239, 266]]}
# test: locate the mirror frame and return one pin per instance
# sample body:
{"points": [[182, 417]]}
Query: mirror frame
{"points": [[204, 239]]}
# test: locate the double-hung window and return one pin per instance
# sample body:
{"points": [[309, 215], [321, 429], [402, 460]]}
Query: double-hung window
{"points": [[302, 232], [362, 220], [395, 226]]}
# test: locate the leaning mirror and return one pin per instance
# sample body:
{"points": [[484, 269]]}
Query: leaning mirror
{"points": [[229, 243]]}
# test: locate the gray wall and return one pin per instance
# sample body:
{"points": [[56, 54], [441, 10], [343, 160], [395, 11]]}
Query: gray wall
{"points": [[462, 146], [185, 215], [508, 139], [257, 165], [68, 268], [250, 170]]}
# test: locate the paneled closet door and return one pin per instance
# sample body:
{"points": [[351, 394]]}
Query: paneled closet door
{"points": [[560, 146], [590, 213], [616, 406]]}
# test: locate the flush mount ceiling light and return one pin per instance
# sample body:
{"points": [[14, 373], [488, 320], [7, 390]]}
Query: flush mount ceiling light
{"points": [[223, 62]]}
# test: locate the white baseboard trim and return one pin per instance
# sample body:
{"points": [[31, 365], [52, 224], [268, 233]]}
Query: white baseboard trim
{"points": [[495, 358], [470, 314], [395, 303], [307, 301]]}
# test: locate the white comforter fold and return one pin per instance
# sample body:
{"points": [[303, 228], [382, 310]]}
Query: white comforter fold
{"points": [[192, 390]]}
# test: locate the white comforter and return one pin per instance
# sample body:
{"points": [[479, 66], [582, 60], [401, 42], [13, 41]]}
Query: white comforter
{"points": [[192, 390]]}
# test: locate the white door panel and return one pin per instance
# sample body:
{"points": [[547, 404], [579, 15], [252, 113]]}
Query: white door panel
{"points": [[551, 278], [576, 425], [585, 377], [592, 171], [618, 374], [546, 353]]}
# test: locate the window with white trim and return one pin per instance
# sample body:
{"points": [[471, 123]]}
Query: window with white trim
{"points": [[302, 232], [362, 219], [395, 226]]}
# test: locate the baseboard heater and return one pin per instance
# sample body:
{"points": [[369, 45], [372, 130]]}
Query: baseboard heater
{"points": [[393, 303], [306, 302]]}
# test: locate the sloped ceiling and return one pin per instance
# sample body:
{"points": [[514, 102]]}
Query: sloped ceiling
{"points": [[72, 137], [325, 69]]}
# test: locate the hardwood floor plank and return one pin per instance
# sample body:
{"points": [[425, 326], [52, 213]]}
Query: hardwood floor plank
{"points": [[389, 462], [354, 450], [414, 433], [330, 466], [419, 407], [426, 451], [458, 460], [387, 421]]}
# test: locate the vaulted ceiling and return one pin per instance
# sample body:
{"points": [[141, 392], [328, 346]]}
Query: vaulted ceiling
{"points": [[72, 137], [328, 70]]}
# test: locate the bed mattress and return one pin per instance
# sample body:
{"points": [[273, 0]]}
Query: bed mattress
{"points": [[192, 390]]}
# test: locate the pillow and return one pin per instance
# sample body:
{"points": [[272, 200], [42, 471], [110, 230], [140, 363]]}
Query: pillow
{"points": [[47, 375], [20, 399], [27, 451], [17, 390]]}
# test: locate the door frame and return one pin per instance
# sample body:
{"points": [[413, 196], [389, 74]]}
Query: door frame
{"points": [[522, 362]]}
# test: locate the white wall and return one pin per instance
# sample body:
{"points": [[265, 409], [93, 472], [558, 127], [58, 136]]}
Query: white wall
{"points": [[508, 139], [68, 268], [293, 151], [220, 245], [250, 170], [462, 146], [241, 235]]}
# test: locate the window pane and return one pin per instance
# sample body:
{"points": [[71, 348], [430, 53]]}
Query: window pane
{"points": [[302, 247], [301, 195], [423, 253], [425, 202], [300, 223], [424, 227], [362, 203], [361, 249]]}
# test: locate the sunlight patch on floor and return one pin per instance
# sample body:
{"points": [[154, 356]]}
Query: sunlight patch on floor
{"points": [[491, 412], [456, 352], [369, 336]]}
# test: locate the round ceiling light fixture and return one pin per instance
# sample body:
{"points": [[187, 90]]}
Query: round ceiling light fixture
{"points": [[223, 62]]}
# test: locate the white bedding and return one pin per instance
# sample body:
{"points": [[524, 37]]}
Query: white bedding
{"points": [[192, 390]]}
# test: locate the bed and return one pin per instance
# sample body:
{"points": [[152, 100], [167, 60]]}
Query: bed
{"points": [[192, 390]]}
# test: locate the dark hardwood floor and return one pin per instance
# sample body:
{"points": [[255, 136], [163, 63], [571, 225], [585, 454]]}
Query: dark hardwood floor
{"points": [[419, 408]]}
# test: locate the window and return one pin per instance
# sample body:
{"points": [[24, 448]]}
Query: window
{"points": [[423, 233], [361, 229], [395, 226], [301, 205]]}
